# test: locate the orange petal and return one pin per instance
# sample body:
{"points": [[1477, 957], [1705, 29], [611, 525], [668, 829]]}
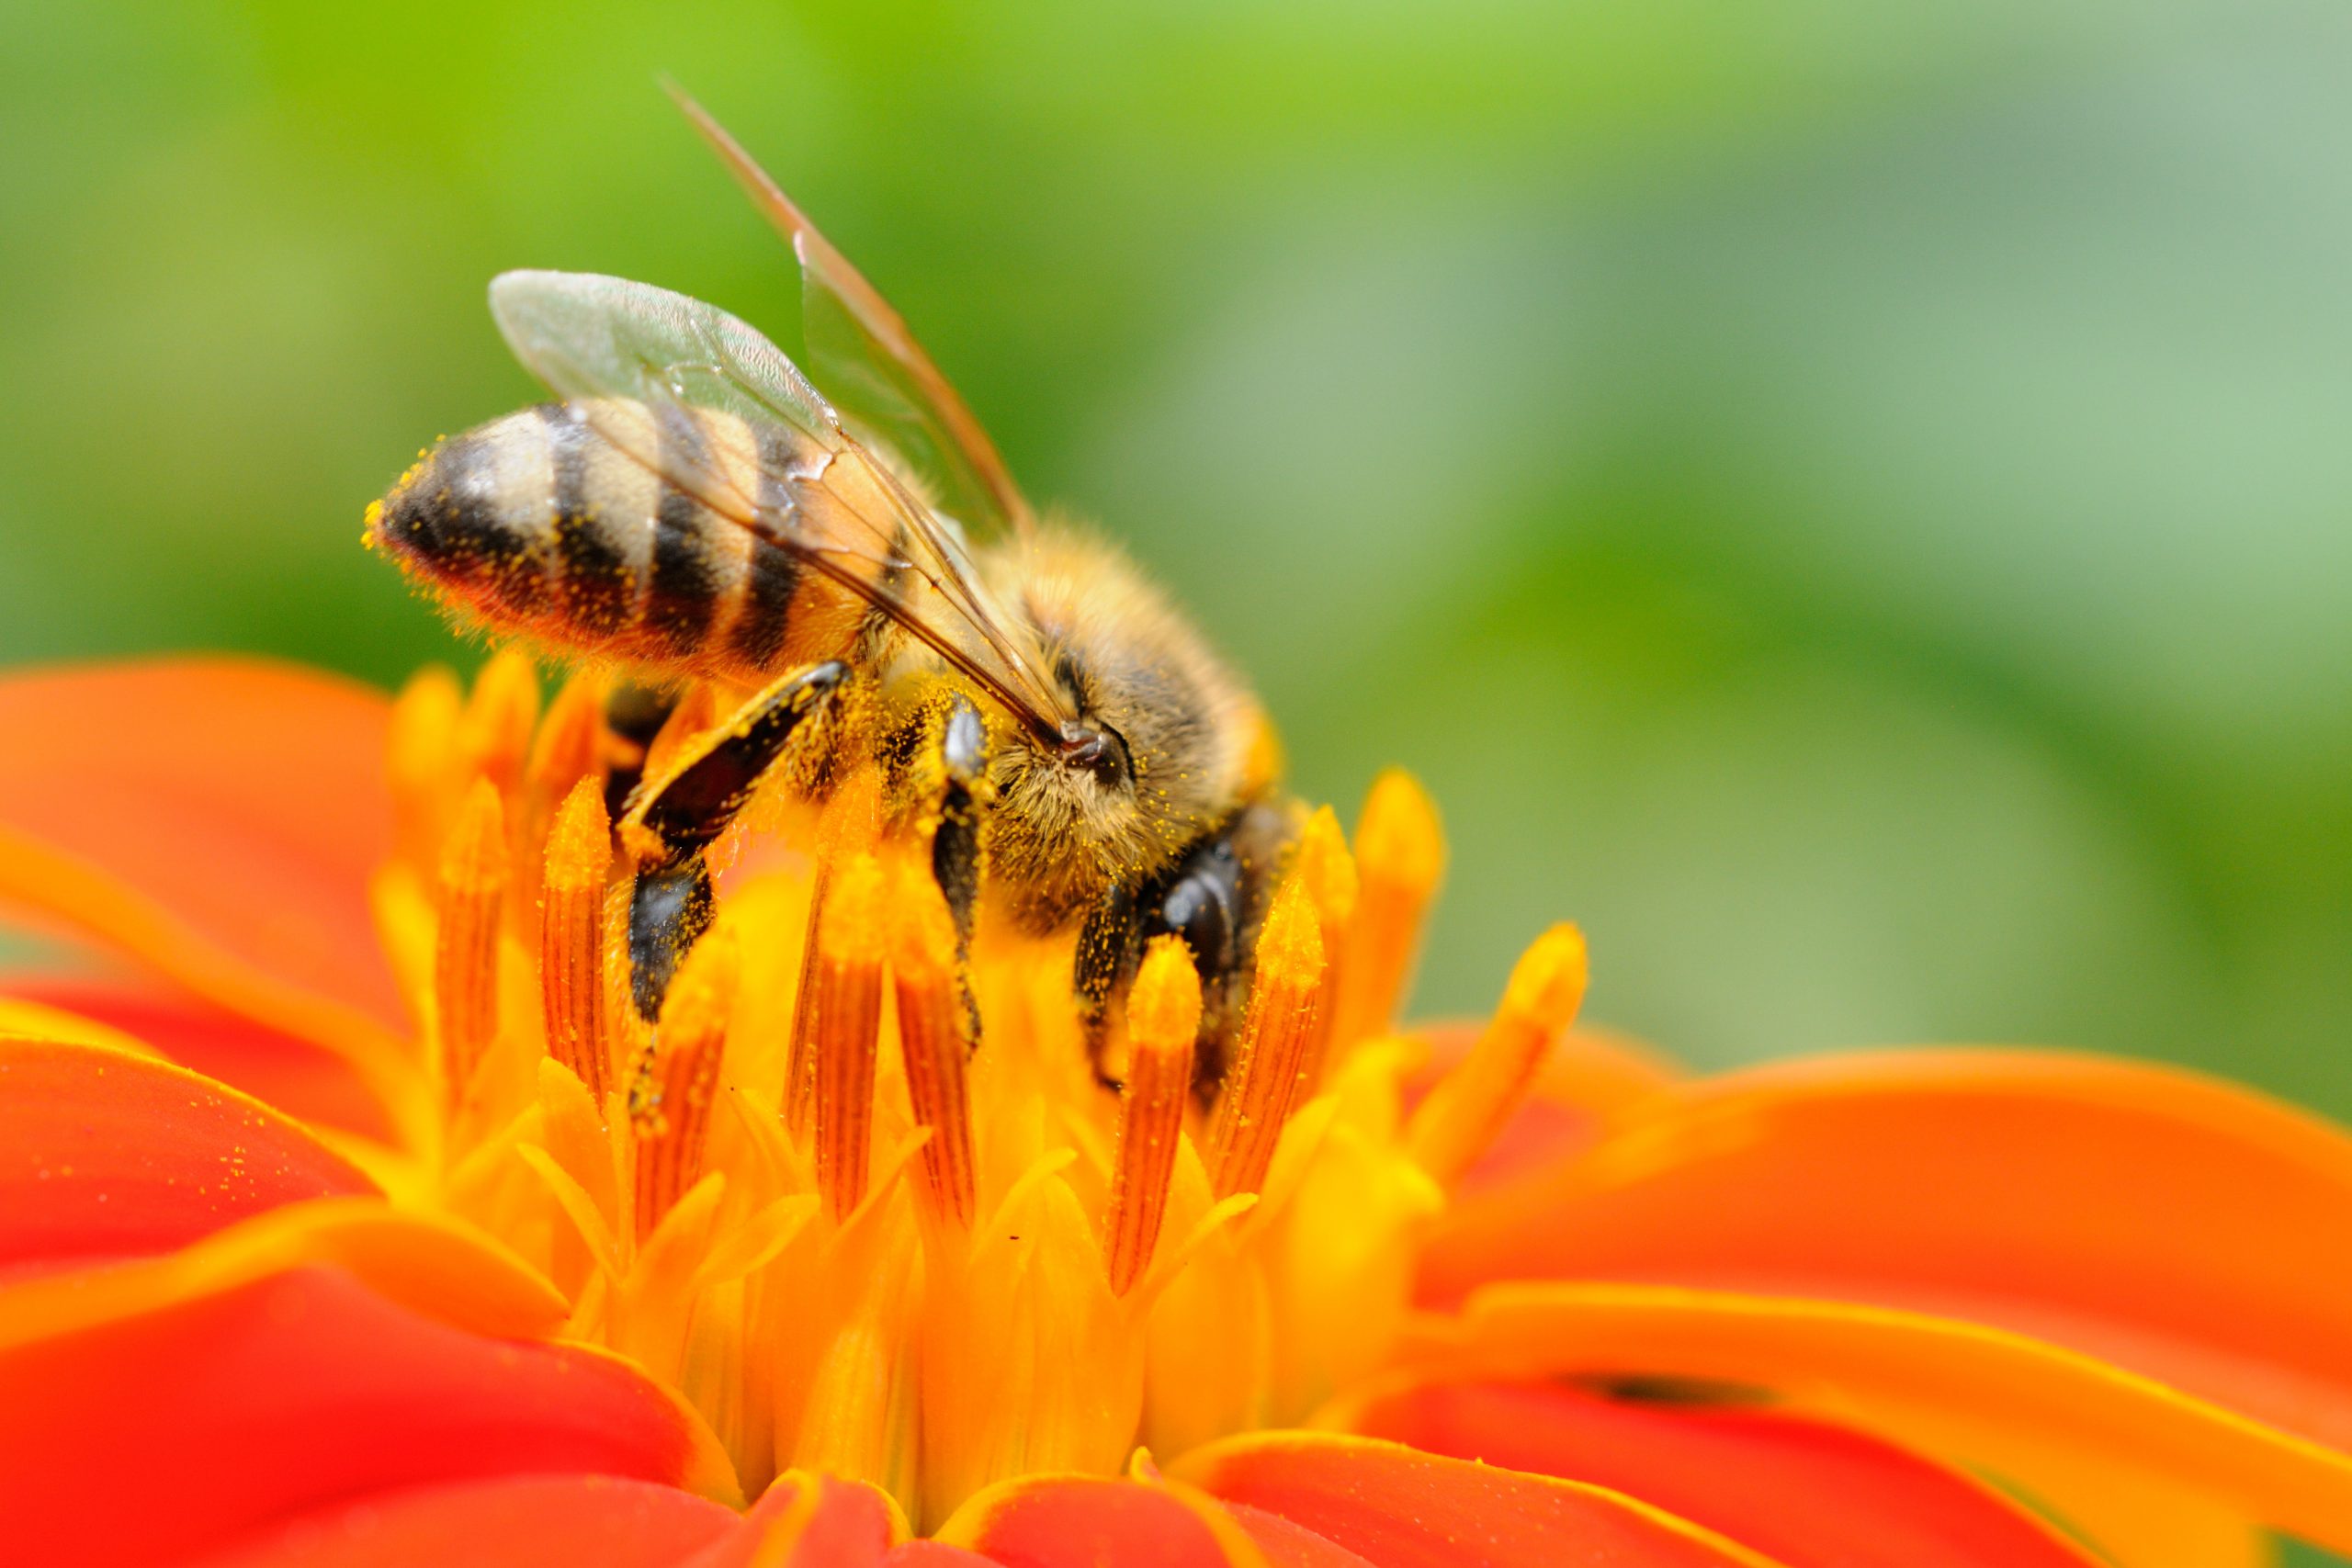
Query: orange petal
{"points": [[1801, 1490], [145, 1438], [598, 1520], [1404, 1509], [2033, 1415], [2161, 1220], [108, 1154], [285, 1073], [219, 818], [1074, 1521]]}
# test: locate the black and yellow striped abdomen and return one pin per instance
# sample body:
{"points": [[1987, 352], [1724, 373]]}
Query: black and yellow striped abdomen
{"points": [[538, 525]]}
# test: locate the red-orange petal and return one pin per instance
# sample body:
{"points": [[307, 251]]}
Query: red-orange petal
{"points": [[280, 1070], [105, 1154], [1286, 1545], [1400, 1509], [1081, 1521], [934, 1554], [499, 1523], [1801, 1490], [218, 818], [139, 1439], [2168, 1224], [809, 1521], [2046, 1419]]}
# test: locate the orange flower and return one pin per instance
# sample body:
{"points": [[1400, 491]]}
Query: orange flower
{"points": [[286, 1275]]}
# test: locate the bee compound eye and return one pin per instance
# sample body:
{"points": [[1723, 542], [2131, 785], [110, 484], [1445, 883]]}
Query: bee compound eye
{"points": [[1101, 751]]}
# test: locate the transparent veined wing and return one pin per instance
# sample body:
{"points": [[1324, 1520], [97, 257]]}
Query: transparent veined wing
{"points": [[646, 368], [889, 390]]}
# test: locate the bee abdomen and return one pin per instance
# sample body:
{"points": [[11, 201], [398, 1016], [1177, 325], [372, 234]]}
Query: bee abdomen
{"points": [[537, 523]]}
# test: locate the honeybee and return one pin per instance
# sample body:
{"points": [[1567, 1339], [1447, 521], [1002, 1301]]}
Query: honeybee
{"points": [[695, 508]]}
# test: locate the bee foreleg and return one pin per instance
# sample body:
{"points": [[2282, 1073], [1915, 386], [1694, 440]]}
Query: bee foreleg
{"points": [[1213, 896], [955, 842], [1110, 948], [671, 820]]}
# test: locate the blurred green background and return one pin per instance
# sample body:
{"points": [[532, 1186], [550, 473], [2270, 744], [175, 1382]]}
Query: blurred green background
{"points": [[1853, 502]]}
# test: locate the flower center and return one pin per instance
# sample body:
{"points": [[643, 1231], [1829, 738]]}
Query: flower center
{"points": [[857, 1192]]}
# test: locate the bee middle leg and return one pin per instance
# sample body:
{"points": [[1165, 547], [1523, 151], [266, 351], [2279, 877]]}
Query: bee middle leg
{"points": [[673, 820], [938, 778]]}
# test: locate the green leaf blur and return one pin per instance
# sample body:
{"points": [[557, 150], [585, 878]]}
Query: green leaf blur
{"points": [[1852, 502]]}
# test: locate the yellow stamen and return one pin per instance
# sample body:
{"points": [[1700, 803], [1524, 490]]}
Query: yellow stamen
{"points": [[850, 822], [933, 1037], [464, 958], [495, 732], [1164, 1021], [671, 1122], [571, 937], [1329, 873], [843, 1018], [1262, 1083], [1468, 1107], [1400, 855]]}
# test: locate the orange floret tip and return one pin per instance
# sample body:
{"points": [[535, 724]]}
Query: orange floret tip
{"points": [[842, 1022], [853, 928], [851, 820], [500, 717], [580, 846], [474, 857], [696, 711], [1328, 873], [672, 1123], [571, 739], [1400, 857], [571, 937], [1163, 1020], [465, 960], [933, 1039], [1290, 944], [1164, 1005], [419, 744], [1547, 984], [1400, 838], [1329, 870], [1263, 1081], [1468, 1108]]}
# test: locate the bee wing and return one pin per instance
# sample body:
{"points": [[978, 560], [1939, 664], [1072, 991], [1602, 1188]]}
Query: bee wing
{"points": [[890, 392], [642, 363]]}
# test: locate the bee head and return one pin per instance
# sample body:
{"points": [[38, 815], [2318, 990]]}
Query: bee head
{"points": [[1153, 755]]}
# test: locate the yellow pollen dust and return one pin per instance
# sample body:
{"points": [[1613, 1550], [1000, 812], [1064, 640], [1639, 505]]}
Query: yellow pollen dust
{"points": [[859, 1194]]}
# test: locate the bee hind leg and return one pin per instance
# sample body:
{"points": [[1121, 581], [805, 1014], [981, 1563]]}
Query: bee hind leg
{"points": [[671, 820]]}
